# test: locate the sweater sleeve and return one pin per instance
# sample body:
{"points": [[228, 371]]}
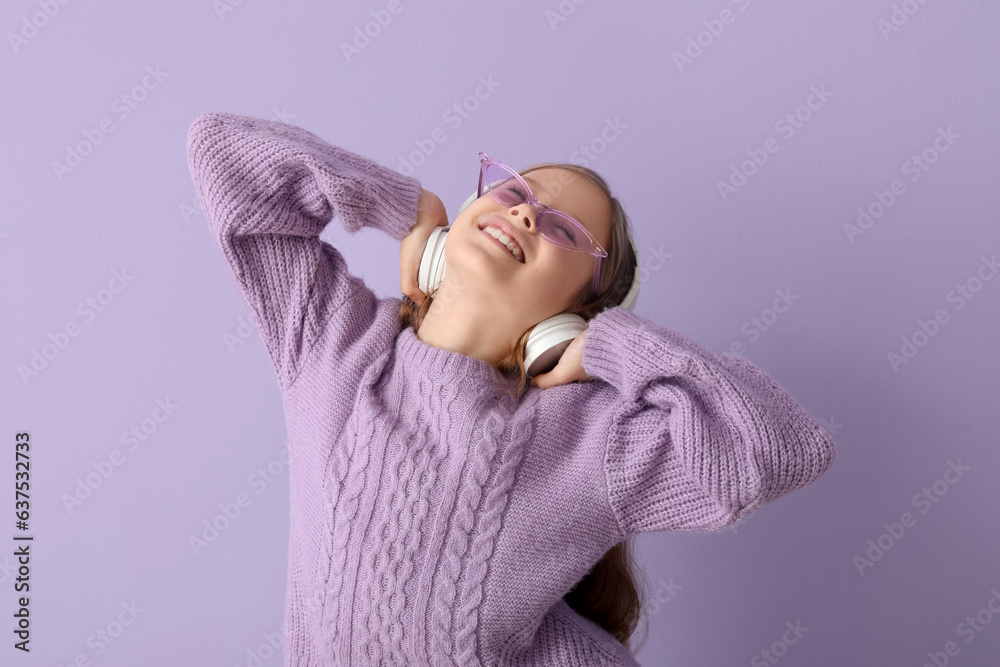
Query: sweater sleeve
{"points": [[697, 441], [267, 190]]}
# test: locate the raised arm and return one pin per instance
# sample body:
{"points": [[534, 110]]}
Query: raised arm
{"points": [[267, 190], [697, 440]]}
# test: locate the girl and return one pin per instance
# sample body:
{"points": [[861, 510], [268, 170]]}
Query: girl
{"points": [[442, 511]]}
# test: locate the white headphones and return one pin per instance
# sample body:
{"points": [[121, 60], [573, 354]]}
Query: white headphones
{"points": [[550, 337]]}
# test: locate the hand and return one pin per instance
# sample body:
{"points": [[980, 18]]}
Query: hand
{"points": [[430, 214], [568, 369]]}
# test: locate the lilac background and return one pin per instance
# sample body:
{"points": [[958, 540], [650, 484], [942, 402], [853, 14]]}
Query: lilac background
{"points": [[179, 330]]}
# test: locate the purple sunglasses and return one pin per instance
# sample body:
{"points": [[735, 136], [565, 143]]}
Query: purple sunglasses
{"points": [[555, 226]]}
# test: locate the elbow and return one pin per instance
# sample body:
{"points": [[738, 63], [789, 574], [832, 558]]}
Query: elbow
{"points": [[785, 466], [203, 136], [820, 452]]}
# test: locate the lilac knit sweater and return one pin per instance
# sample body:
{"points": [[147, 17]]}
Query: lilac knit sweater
{"points": [[435, 520]]}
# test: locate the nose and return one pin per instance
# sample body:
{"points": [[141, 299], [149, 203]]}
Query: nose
{"points": [[526, 214]]}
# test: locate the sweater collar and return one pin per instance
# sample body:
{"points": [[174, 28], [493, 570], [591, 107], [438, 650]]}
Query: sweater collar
{"points": [[445, 365]]}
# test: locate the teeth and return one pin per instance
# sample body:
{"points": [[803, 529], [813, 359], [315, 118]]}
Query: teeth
{"points": [[504, 239]]}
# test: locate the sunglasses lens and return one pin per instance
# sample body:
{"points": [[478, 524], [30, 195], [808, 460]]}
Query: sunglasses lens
{"points": [[555, 228], [562, 232], [507, 190]]}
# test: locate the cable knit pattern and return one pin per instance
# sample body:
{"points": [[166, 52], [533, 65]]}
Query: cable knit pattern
{"points": [[482, 549], [434, 519]]}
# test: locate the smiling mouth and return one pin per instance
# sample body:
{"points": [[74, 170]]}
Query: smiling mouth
{"points": [[496, 241]]}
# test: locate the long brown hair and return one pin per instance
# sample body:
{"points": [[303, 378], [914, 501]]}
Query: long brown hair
{"points": [[607, 594]]}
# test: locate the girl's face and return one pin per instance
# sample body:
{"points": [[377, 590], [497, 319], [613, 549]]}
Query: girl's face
{"points": [[549, 278]]}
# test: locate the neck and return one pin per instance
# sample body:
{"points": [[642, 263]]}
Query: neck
{"points": [[472, 323]]}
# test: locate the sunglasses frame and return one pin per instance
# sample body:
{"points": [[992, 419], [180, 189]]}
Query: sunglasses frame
{"points": [[598, 251]]}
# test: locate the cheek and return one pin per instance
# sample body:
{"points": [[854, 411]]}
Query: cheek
{"points": [[562, 270], [483, 204]]}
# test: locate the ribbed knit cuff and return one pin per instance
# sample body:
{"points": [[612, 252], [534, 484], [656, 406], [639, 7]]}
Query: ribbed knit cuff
{"points": [[391, 197], [399, 195], [607, 343]]}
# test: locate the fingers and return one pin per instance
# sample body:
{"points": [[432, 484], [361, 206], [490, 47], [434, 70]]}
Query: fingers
{"points": [[407, 283], [542, 380], [410, 289], [409, 265]]}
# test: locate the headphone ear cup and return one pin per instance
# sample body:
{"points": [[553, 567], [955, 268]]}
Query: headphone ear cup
{"points": [[548, 340], [432, 264]]}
